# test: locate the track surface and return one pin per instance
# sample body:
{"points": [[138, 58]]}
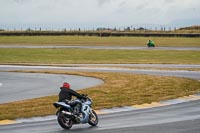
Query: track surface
{"points": [[183, 117], [180, 118], [21, 86]]}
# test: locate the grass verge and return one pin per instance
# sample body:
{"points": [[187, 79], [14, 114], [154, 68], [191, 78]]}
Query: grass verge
{"points": [[100, 41], [119, 90], [91, 56]]}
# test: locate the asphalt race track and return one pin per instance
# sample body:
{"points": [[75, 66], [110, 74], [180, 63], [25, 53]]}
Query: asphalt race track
{"points": [[175, 118], [21, 86], [180, 118]]}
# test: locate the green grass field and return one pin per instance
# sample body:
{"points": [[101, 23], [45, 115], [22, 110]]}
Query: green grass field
{"points": [[68, 56], [100, 41]]}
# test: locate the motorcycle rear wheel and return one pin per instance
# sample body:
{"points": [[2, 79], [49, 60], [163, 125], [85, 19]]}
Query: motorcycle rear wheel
{"points": [[93, 119], [64, 122]]}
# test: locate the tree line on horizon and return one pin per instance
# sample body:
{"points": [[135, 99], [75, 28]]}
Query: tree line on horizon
{"points": [[126, 29]]}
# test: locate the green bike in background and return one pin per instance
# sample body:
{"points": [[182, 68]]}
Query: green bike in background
{"points": [[150, 43]]}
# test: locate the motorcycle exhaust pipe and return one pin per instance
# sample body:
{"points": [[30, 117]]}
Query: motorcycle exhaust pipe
{"points": [[67, 114]]}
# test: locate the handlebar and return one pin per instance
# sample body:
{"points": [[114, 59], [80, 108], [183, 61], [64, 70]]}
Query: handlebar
{"points": [[86, 97]]}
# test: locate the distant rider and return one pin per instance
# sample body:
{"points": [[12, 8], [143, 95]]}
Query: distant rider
{"points": [[150, 43]]}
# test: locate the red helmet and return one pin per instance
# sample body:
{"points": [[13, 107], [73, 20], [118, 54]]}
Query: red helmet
{"points": [[66, 85]]}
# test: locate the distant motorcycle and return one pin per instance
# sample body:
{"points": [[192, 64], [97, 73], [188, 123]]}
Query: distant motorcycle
{"points": [[77, 111], [150, 43]]}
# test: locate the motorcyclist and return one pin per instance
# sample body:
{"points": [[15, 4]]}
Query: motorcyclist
{"points": [[66, 93], [150, 43], [80, 112]]}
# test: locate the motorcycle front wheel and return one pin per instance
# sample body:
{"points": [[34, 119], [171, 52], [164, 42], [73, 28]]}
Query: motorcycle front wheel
{"points": [[93, 118], [63, 121]]}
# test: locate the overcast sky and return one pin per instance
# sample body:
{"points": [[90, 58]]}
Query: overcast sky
{"points": [[91, 14]]}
